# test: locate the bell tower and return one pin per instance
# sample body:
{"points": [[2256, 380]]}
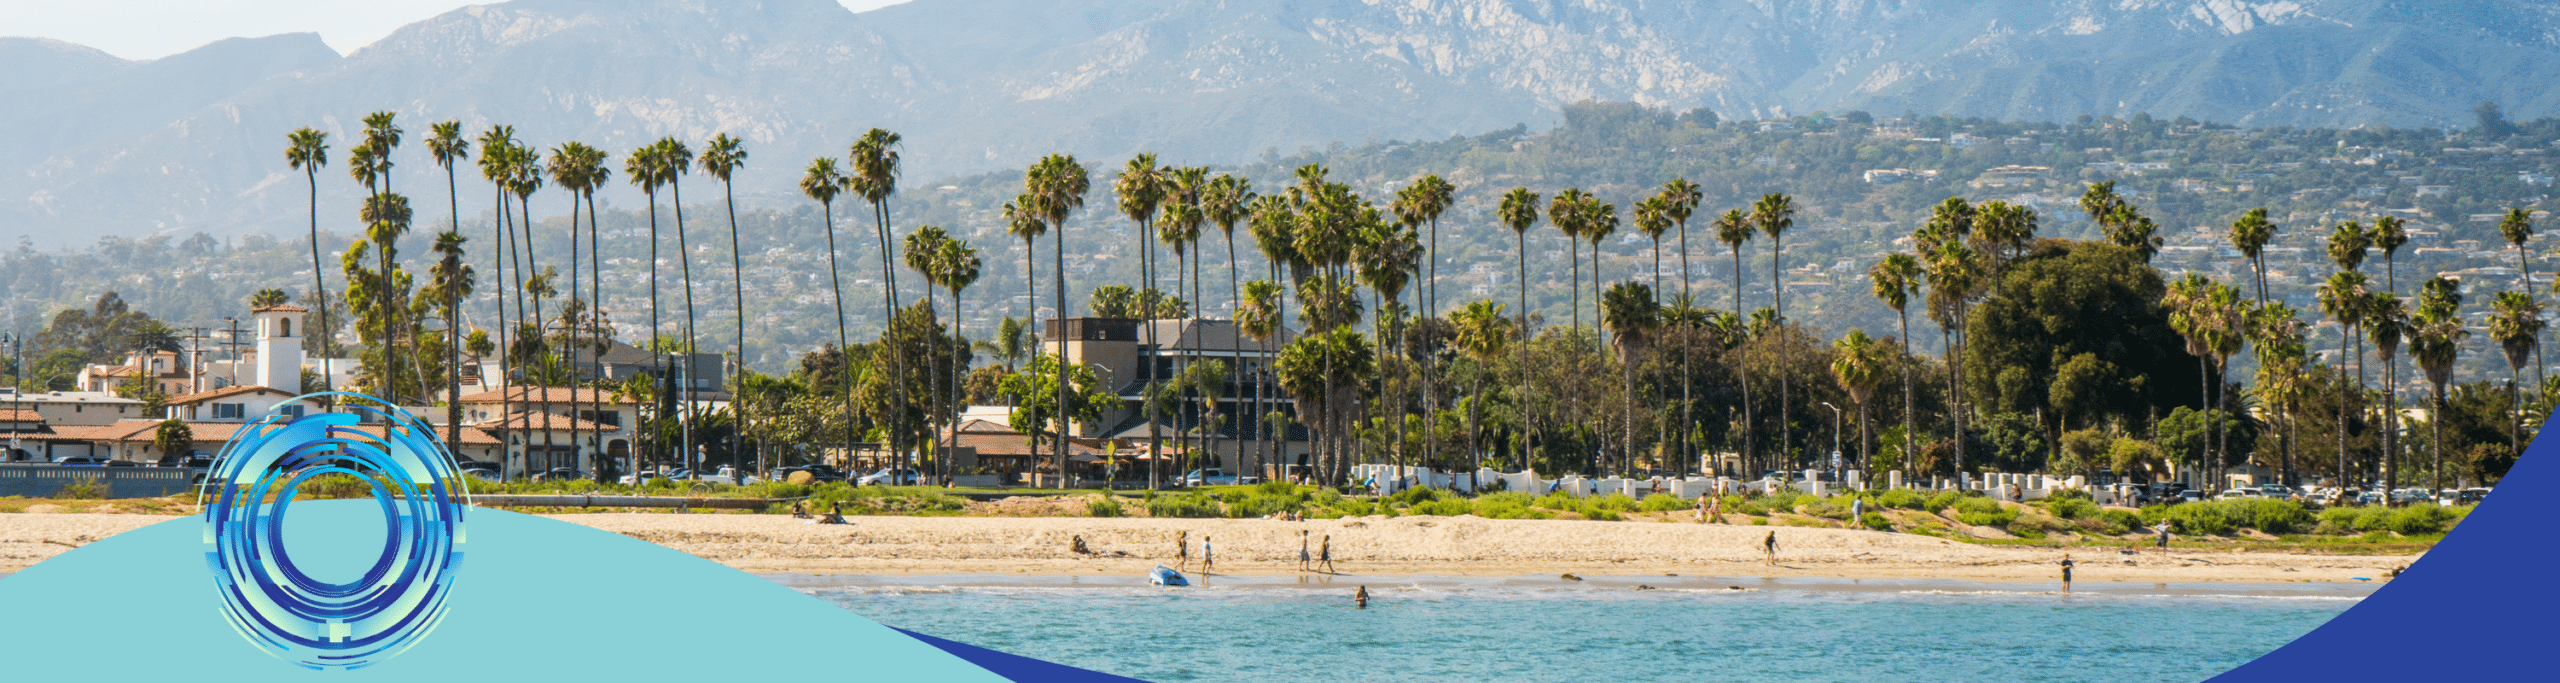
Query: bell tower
{"points": [[280, 333]]}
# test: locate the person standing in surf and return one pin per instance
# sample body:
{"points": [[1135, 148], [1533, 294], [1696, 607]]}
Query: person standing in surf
{"points": [[1182, 552], [1771, 546], [2066, 573]]}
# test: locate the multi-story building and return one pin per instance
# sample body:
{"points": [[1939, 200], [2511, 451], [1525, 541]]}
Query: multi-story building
{"points": [[1128, 355]]}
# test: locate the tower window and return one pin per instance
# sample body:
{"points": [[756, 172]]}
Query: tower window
{"points": [[284, 327]]}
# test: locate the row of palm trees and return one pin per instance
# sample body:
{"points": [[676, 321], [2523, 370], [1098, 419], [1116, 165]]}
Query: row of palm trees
{"points": [[1332, 243]]}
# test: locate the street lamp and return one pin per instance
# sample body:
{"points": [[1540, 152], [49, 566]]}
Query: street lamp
{"points": [[1835, 440]]}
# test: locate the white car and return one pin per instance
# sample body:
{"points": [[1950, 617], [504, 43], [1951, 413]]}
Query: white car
{"points": [[904, 477], [1207, 477], [729, 475]]}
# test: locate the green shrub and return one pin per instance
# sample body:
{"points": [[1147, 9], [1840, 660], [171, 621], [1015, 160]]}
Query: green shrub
{"points": [[1195, 505], [2072, 508], [1664, 502], [2199, 518], [1258, 505], [1446, 507], [2267, 514], [1349, 507], [1103, 506], [1600, 514], [2120, 521], [1876, 522], [1419, 494], [1276, 488], [1944, 500], [1557, 501], [1901, 499], [2071, 494], [1823, 509], [1979, 511], [1615, 502], [84, 488]]}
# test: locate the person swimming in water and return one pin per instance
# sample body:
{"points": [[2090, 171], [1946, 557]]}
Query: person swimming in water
{"points": [[1360, 600]]}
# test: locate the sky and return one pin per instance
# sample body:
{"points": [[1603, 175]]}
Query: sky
{"points": [[151, 29]]}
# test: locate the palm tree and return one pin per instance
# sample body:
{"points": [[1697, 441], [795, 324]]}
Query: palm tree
{"points": [[1274, 224], [923, 254], [2438, 339], [1599, 220], [960, 268], [1631, 314], [1679, 199], [1387, 255], [1651, 218], [1859, 368], [2343, 299], [2387, 324], [2516, 228], [1481, 332], [452, 283], [674, 161], [1059, 184], [720, 158], [571, 171], [1178, 192], [498, 156], [2347, 246], [2515, 325], [1022, 219], [1225, 202], [306, 150], [1774, 214], [1896, 278], [1565, 212], [2250, 235], [1140, 191], [446, 145], [1258, 314], [2277, 333], [821, 182], [875, 177], [2190, 317], [524, 179], [1519, 211], [1733, 229]]}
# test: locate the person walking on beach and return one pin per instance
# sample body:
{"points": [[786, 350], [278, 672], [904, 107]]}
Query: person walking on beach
{"points": [[1302, 550], [1702, 508], [2163, 529], [2066, 573], [1324, 556], [1182, 552], [1208, 561], [1771, 545], [1857, 512]]}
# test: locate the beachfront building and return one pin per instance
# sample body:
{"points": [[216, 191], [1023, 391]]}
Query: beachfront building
{"points": [[1127, 355], [161, 369], [543, 428]]}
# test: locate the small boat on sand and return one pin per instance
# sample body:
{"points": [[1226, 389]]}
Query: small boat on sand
{"points": [[1166, 576]]}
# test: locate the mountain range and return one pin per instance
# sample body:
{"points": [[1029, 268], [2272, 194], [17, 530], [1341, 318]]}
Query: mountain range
{"points": [[97, 145]]}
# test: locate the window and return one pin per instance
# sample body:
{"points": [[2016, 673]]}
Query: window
{"points": [[290, 412], [226, 411], [284, 327]]}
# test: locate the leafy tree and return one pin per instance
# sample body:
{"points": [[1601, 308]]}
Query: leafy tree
{"points": [[174, 439]]}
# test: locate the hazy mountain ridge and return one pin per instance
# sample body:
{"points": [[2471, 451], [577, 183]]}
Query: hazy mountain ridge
{"points": [[192, 141]]}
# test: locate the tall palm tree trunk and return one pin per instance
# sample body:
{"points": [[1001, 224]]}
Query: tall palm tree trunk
{"points": [[1778, 300], [1910, 420], [1521, 411], [899, 440], [737, 289], [320, 288], [452, 325], [1741, 377], [684, 274], [844, 347]]}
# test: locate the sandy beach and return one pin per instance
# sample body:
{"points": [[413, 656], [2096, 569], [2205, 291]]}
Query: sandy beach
{"points": [[1403, 546]]}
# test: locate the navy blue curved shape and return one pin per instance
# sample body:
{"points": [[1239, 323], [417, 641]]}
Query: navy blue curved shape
{"points": [[2479, 606], [1017, 667]]}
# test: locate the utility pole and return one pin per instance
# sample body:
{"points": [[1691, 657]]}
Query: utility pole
{"points": [[196, 337]]}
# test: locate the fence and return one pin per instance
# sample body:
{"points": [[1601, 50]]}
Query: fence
{"points": [[43, 481]]}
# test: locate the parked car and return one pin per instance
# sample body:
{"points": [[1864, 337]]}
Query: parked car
{"points": [[559, 474], [729, 475], [1206, 477], [635, 478], [81, 461], [884, 477], [2275, 491], [2236, 494], [482, 473]]}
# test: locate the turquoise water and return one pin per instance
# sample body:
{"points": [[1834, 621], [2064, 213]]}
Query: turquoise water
{"points": [[1545, 629]]}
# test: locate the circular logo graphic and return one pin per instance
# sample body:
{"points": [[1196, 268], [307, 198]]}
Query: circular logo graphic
{"points": [[320, 624]]}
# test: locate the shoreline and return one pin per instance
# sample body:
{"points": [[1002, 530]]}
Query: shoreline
{"points": [[1690, 583], [1456, 548]]}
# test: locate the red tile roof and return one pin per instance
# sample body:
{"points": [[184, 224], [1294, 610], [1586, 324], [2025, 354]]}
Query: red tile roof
{"points": [[225, 392], [552, 394], [536, 420]]}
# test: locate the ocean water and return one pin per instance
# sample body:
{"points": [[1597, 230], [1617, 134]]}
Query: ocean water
{"points": [[1604, 628]]}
